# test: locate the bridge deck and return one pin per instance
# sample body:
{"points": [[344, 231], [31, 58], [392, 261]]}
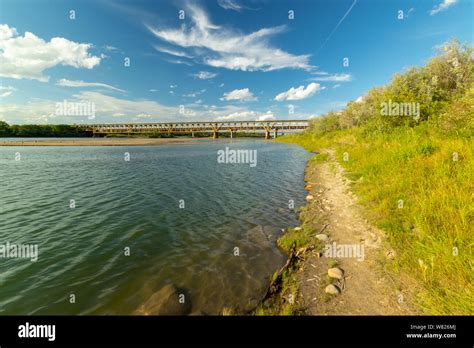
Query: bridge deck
{"points": [[196, 127]]}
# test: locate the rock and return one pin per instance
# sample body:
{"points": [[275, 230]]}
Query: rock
{"points": [[309, 198], [322, 237], [308, 187], [297, 228], [336, 272], [332, 290], [390, 254], [164, 302]]}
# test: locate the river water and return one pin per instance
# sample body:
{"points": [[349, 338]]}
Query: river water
{"points": [[110, 232]]}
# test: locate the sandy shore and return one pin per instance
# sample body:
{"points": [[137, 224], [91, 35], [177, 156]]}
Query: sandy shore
{"points": [[103, 142]]}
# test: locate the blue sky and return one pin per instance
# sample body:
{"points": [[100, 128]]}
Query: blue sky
{"points": [[226, 60]]}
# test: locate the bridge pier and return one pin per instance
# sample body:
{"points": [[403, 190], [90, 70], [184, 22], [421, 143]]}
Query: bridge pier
{"points": [[192, 134], [231, 134], [267, 134], [275, 135], [215, 134]]}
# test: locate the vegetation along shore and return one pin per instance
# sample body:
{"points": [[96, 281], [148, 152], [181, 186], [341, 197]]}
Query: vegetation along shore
{"points": [[400, 183]]}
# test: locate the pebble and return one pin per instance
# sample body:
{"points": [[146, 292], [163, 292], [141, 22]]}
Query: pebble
{"points": [[308, 187], [332, 289], [390, 254], [322, 237], [336, 272], [297, 229], [309, 197]]}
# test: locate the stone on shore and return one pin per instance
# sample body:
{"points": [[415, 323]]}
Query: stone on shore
{"points": [[322, 237], [308, 187], [336, 273], [332, 289], [309, 198]]}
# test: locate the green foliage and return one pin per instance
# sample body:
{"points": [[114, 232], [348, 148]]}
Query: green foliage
{"points": [[434, 88], [32, 130]]}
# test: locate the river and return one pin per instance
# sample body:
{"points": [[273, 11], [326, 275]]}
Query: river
{"points": [[113, 225]]}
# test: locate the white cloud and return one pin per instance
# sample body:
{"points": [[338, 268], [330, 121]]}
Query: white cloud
{"points": [[8, 90], [205, 75], [230, 5], [69, 83], [336, 86], [243, 94], [442, 7], [194, 94], [266, 117], [225, 48], [324, 76], [173, 86], [359, 99], [299, 93], [107, 109], [172, 52], [110, 48], [178, 61], [26, 57], [110, 109], [246, 115]]}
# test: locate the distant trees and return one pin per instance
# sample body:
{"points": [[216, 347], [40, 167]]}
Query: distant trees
{"points": [[32, 130], [4, 129]]}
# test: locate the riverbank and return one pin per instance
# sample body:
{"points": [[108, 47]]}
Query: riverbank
{"points": [[337, 259], [412, 192], [102, 142]]}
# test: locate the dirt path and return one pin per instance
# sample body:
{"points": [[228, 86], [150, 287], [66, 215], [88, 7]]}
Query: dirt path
{"points": [[366, 289]]}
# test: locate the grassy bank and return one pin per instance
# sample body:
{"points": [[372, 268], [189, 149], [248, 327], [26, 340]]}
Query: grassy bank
{"points": [[415, 175]]}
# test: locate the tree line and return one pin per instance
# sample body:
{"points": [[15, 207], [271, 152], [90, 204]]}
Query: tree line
{"points": [[33, 130]]}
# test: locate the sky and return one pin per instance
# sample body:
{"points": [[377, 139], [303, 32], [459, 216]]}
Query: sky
{"points": [[215, 60]]}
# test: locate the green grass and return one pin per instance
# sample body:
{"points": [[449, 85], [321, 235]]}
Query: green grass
{"points": [[433, 231]]}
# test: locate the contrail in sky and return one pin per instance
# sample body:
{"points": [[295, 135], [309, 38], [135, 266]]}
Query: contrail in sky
{"points": [[337, 26]]}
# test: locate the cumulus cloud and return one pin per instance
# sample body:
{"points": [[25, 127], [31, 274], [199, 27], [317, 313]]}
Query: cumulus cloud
{"points": [[70, 83], [246, 115], [205, 75], [442, 7], [266, 117], [225, 48], [26, 57], [243, 94], [299, 93]]}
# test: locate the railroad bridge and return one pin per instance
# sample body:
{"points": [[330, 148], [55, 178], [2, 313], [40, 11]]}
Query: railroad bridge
{"points": [[170, 128]]}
